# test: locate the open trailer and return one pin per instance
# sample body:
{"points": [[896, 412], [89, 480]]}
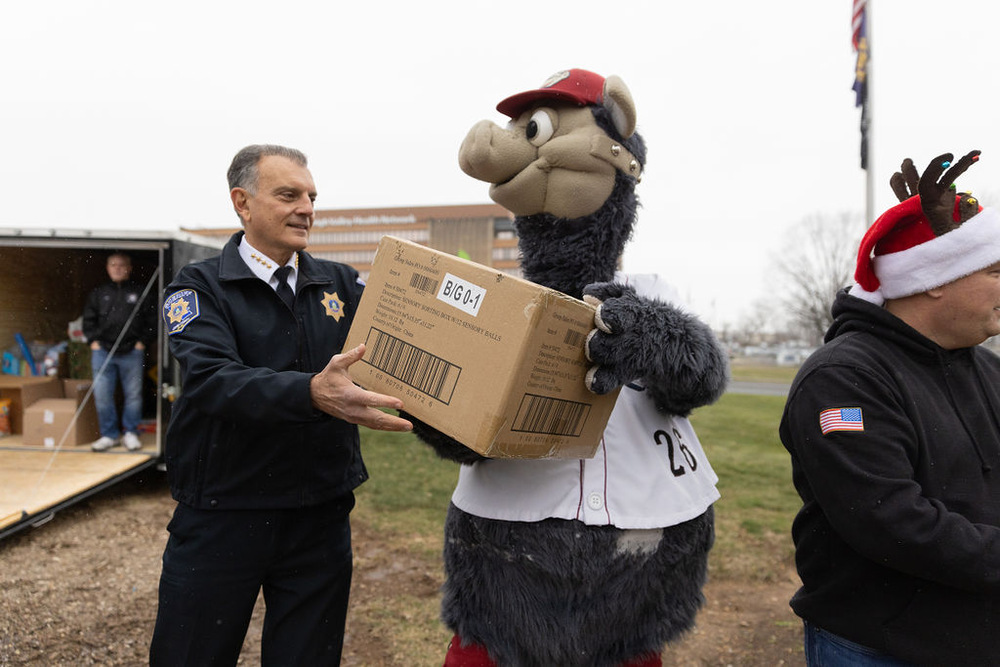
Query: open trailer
{"points": [[45, 277]]}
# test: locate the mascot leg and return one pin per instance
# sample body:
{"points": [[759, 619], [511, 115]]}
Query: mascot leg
{"points": [[475, 655], [559, 592]]}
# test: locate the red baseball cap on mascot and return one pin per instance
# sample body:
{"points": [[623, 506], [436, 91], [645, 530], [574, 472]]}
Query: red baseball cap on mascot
{"points": [[573, 85]]}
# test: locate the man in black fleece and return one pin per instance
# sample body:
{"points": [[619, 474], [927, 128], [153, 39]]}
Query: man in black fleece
{"points": [[118, 325], [894, 435]]}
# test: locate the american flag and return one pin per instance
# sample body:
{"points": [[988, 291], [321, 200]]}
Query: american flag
{"points": [[858, 22], [841, 419], [859, 39]]}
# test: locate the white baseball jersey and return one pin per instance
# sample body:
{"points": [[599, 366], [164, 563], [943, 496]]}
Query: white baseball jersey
{"points": [[649, 471]]}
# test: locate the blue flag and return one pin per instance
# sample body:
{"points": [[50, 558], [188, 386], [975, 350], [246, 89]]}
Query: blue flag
{"points": [[859, 40]]}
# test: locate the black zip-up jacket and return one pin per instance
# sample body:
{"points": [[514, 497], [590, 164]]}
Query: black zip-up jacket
{"points": [[244, 434], [108, 308], [898, 539]]}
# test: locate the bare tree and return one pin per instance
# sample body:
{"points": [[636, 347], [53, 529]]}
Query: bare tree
{"points": [[760, 322], [817, 258]]}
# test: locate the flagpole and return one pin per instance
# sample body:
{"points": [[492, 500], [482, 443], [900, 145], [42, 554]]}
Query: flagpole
{"points": [[870, 171]]}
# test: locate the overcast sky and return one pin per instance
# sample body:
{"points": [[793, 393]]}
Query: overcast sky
{"points": [[122, 114]]}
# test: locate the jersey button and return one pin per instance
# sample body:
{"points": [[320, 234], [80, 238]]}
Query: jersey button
{"points": [[595, 501]]}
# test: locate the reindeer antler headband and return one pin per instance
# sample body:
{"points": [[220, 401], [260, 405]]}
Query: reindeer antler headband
{"points": [[932, 237]]}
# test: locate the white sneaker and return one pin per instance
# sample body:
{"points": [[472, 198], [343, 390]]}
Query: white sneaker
{"points": [[131, 442], [103, 444]]}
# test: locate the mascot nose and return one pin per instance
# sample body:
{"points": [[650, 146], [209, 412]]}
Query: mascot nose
{"points": [[490, 153]]}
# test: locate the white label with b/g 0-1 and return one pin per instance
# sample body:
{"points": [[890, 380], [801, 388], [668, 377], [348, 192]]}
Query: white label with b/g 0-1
{"points": [[466, 296]]}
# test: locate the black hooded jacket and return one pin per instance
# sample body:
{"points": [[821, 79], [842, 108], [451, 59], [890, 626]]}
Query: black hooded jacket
{"points": [[898, 539]]}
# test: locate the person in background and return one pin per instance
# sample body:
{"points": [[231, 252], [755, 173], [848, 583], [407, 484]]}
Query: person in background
{"points": [[262, 449], [118, 326], [893, 427]]}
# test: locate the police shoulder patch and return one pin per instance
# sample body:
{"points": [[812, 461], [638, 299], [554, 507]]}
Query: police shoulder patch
{"points": [[179, 310]]}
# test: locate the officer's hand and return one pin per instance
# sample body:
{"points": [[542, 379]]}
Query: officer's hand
{"points": [[335, 393]]}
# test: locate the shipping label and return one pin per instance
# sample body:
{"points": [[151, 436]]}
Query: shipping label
{"points": [[464, 295]]}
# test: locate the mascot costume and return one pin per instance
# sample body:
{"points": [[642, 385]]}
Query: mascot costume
{"points": [[601, 561]]}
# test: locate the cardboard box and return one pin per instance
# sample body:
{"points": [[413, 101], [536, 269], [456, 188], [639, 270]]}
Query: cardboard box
{"points": [[48, 419], [24, 391], [491, 360], [74, 388], [77, 390]]}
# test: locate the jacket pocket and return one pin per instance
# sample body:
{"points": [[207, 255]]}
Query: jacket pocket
{"points": [[944, 626]]}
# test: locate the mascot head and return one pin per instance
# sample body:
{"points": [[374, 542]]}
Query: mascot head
{"points": [[566, 147]]}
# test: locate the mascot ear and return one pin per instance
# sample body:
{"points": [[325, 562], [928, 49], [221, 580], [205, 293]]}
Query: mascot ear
{"points": [[618, 100]]}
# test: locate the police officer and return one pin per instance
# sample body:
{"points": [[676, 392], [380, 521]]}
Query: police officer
{"points": [[262, 449]]}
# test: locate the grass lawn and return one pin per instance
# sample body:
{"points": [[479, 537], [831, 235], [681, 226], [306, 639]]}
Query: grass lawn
{"points": [[749, 372], [754, 515]]}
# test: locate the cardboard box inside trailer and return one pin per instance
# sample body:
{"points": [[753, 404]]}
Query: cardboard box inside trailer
{"points": [[22, 391], [57, 422]]}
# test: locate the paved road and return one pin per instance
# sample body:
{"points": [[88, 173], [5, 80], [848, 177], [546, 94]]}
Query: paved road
{"points": [[761, 388]]}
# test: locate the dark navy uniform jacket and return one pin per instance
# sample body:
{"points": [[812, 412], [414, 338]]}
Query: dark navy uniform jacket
{"points": [[244, 434]]}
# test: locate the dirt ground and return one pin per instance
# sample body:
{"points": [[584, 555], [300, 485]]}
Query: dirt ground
{"points": [[81, 590]]}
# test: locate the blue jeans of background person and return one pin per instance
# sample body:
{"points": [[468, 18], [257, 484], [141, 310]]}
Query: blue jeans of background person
{"points": [[126, 367], [825, 649]]}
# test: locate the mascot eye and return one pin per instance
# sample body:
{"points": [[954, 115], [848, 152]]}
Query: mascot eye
{"points": [[540, 128]]}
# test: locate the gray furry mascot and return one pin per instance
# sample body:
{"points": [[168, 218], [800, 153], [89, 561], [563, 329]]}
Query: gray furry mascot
{"points": [[598, 561]]}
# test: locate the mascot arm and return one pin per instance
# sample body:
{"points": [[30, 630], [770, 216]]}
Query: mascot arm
{"points": [[444, 446], [673, 353]]}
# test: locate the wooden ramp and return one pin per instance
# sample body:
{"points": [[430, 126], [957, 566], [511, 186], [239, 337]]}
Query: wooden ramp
{"points": [[35, 482]]}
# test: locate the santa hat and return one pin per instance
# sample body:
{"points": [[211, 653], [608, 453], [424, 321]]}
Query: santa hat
{"points": [[901, 255]]}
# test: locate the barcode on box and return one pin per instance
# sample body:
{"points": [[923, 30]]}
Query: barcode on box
{"points": [[419, 369], [423, 283], [573, 338], [551, 416]]}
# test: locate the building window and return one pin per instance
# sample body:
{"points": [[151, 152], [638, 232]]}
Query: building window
{"points": [[321, 236]]}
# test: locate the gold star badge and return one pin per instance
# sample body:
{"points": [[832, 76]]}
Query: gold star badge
{"points": [[178, 311], [334, 306]]}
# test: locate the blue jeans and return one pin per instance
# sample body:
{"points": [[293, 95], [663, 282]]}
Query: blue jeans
{"points": [[127, 367], [825, 649]]}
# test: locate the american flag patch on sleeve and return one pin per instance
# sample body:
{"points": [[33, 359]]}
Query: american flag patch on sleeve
{"points": [[841, 419]]}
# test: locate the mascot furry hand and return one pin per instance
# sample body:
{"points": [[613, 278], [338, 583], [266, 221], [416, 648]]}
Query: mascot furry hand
{"points": [[598, 561]]}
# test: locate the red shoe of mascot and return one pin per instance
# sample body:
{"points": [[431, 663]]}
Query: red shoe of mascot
{"points": [[598, 561]]}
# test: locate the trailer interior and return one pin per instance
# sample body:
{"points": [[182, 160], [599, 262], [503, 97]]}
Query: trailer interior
{"points": [[44, 281]]}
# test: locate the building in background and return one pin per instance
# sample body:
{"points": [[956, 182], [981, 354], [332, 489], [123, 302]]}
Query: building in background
{"points": [[483, 233]]}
